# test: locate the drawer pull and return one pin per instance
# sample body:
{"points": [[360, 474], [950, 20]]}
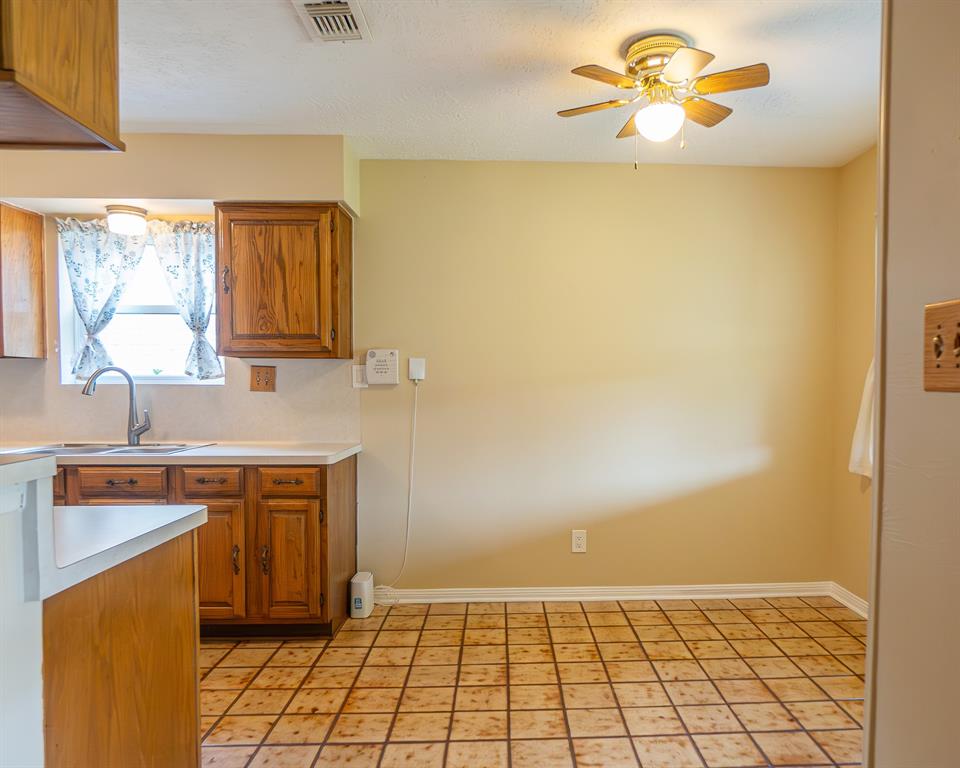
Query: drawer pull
{"points": [[284, 481], [213, 480], [265, 559], [129, 481], [236, 558]]}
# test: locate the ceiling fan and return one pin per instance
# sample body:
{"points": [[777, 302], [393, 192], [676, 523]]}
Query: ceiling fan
{"points": [[664, 70]]}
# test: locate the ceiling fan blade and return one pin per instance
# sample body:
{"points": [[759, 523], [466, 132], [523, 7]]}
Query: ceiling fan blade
{"points": [[733, 79], [684, 64], [629, 127], [604, 75], [705, 112], [593, 107]]}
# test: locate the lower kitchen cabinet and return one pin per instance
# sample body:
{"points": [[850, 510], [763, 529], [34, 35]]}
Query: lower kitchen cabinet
{"points": [[278, 549]]}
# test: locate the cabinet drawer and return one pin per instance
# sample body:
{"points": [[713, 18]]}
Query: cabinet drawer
{"points": [[289, 481], [121, 482], [59, 487], [203, 482]]}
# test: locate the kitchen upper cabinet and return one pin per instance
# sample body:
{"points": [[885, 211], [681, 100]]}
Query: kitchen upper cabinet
{"points": [[220, 561], [59, 85], [289, 558], [284, 280], [22, 303]]}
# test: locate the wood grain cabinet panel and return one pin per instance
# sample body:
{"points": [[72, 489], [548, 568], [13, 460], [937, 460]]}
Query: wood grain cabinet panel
{"points": [[95, 483], [220, 547], [22, 324], [204, 482], [289, 553], [283, 280], [290, 481], [59, 82]]}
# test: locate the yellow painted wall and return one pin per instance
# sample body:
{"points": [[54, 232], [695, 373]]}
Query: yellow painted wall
{"points": [[648, 355], [856, 261]]}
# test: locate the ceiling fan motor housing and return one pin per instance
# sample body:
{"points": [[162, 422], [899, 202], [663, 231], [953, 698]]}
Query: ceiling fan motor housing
{"points": [[651, 53]]}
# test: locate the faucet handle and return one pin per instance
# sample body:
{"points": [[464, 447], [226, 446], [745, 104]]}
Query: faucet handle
{"points": [[144, 425]]}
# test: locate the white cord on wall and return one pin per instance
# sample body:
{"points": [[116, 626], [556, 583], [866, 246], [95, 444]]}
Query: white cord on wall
{"points": [[413, 449]]}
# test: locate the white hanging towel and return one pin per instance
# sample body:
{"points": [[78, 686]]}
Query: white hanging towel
{"points": [[861, 452]]}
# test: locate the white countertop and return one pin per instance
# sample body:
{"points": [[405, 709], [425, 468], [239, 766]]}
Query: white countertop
{"points": [[221, 453]]}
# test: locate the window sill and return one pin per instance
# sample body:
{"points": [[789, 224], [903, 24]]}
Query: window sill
{"points": [[176, 381]]}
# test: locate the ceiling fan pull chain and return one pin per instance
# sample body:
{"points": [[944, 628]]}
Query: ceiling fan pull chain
{"points": [[636, 152], [683, 137]]}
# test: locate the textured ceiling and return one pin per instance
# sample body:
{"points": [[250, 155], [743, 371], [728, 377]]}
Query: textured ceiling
{"points": [[482, 79]]}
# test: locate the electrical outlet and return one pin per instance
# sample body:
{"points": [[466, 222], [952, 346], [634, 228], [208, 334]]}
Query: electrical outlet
{"points": [[578, 541], [263, 378]]}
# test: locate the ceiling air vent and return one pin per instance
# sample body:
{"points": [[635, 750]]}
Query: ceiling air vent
{"points": [[332, 20]]}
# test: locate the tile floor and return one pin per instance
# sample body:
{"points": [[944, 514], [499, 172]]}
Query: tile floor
{"points": [[656, 684]]}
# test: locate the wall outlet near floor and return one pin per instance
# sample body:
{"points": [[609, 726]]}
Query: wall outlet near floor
{"points": [[578, 541], [263, 378]]}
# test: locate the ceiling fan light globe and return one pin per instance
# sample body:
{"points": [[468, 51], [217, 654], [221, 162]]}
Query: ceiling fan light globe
{"points": [[659, 122]]}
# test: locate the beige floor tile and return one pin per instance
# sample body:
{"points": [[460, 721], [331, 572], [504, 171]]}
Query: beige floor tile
{"points": [[710, 718], [331, 677], [437, 655], [562, 606], [349, 756], [416, 622], [800, 647], [416, 609], [486, 621], [853, 708], [660, 633], [486, 635], [588, 695], [216, 702], [586, 723], [360, 728], [225, 757], [774, 668], [667, 752], [727, 669], [567, 620], [279, 677], [247, 657], [711, 649], [421, 726], [532, 674], [604, 753], [483, 674], [740, 632], [397, 638], [614, 634], [679, 670], [569, 652], [240, 729], [755, 648], [300, 729], [526, 620], [261, 702], [541, 754], [641, 694], [228, 678], [856, 663], [763, 615], [571, 635], [631, 651], [477, 754], [437, 622], [389, 657], [729, 616], [667, 650], [206, 723], [342, 657], [582, 672], [524, 606], [294, 657], [607, 619], [652, 721], [696, 632], [686, 692], [484, 654], [413, 756], [432, 676], [315, 701], [745, 691], [850, 687], [427, 699], [764, 717], [535, 697], [820, 665], [537, 724], [473, 726], [527, 654], [382, 677], [729, 750], [352, 640], [842, 645], [790, 748], [647, 618], [795, 689], [477, 697], [285, 757], [210, 655], [820, 715], [842, 746], [630, 671], [372, 700], [686, 616]]}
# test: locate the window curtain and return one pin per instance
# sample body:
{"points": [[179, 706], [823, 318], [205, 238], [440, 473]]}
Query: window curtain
{"points": [[188, 258], [99, 263]]}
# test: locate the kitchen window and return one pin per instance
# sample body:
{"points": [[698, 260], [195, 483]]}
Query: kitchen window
{"points": [[147, 336]]}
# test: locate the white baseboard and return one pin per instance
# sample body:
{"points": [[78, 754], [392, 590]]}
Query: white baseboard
{"points": [[390, 595]]}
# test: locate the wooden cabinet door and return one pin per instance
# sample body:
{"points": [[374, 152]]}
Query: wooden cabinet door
{"points": [[221, 561], [288, 551], [276, 280], [22, 328]]}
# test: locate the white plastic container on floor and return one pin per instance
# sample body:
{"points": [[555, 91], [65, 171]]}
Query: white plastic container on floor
{"points": [[361, 595]]}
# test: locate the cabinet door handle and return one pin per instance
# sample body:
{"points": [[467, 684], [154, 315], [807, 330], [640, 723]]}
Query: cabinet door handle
{"points": [[226, 285], [129, 481], [265, 559], [215, 480], [236, 558], [284, 481]]}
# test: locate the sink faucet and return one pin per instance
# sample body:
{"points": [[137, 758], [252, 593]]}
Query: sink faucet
{"points": [[134, 429]]}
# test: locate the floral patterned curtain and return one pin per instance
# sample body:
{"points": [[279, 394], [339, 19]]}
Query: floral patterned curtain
{"points": [[187, 254], [99, 263]]}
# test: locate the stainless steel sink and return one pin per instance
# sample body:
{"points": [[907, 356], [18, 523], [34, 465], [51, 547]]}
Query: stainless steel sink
{"points": [[144, 449]]}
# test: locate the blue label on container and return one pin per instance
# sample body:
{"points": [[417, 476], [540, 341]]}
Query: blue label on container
{"points": [[358, 603]]}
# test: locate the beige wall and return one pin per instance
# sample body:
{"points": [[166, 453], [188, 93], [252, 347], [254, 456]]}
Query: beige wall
{"points": [[856, 263], [915, 619], [649, 356], [314, 400]]}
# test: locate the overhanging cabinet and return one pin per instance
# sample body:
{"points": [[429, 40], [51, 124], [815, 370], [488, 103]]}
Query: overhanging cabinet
{"points": [[284, 280]]}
